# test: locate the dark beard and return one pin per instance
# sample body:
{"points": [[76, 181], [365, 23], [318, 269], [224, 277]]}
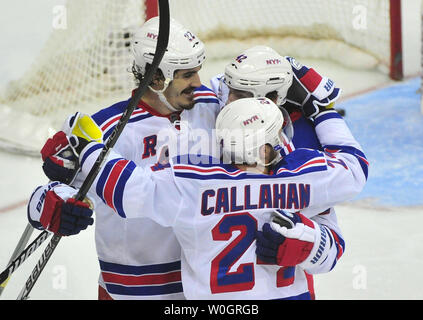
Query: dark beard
{"points": [[188, 106], [191, 105]]}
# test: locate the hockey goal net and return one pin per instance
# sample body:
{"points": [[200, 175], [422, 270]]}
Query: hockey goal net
{"points": [[85, 65]]}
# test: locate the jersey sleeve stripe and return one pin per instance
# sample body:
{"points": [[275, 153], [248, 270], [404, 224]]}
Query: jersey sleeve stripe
{"points": [[208, 100], [120, 187], [114, 172], [145, 280], [204, 93], [134, 118], [112, 182], [330, 114], [153, 290], [220, 172], [318, 163], [89, 151], [116, 118], [209, 171], [142, 280], [103, 178], [364, 163], [140, 270]]}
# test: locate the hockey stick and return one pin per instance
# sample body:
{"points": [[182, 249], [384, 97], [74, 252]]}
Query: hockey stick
{"points": [[162, 42], [14, 262], [23, 256]]}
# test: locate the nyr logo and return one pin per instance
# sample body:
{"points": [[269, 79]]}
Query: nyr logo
{"points": [[263, 100], [152, 36], [250, 120], [273, 61], [240, 58]]}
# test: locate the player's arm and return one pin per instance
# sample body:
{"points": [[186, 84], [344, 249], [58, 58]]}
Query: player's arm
{"points": [[52, 207], [337, 174], [130, 190], [329, 177], [291, 239]]}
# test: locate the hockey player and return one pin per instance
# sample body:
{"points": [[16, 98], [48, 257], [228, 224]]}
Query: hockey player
{"points": [[261, 72], [305, 133], [130, 270], [217, 209]]}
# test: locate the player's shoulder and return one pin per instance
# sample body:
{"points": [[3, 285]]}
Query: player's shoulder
{"points": [[104, 114], [205, 95], [301, 161], [108, 117], [203, 167]]}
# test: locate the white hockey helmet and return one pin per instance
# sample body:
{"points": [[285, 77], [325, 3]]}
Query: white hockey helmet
{"points": [[245, 125], [184, 50], [260, 70]]}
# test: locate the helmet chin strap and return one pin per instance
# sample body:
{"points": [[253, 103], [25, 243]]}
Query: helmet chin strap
{"points": [[163, 98]]}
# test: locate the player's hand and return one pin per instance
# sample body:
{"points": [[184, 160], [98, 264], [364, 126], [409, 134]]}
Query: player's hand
{"points": [[65, 218], [60, 162], [313, 107], [287, 240], [61, 152]]}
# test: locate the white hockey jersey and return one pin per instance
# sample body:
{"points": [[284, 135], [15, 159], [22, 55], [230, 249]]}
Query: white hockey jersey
{"points": [[215, 209], [139, 259]]}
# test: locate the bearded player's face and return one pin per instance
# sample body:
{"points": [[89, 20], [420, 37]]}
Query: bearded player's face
{"points": [[180, 92]]}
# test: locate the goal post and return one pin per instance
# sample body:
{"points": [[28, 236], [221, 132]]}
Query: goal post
{"points": [[151, 9], [396, 68], [87, 66]]}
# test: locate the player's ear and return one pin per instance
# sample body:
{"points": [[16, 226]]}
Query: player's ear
{"points": [[267, 154]]}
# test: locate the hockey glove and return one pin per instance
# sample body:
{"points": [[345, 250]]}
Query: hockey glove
{"points": [[60, 160], [288, 240], [60, 153], [313, 107], [65, 218]]}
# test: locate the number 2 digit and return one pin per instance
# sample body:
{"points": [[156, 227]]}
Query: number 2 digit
{"points": [[221, 278]]}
